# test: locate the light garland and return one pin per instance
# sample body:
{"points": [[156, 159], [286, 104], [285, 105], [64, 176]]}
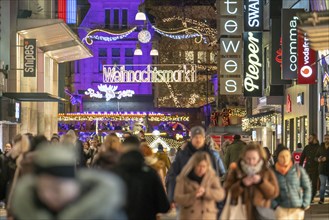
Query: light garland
{"points": [[173, 34], [118, 36], [226, 114], [154, 117], [249, 123]]}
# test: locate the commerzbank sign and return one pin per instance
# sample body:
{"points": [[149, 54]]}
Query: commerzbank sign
{"points": [[166, 73]]}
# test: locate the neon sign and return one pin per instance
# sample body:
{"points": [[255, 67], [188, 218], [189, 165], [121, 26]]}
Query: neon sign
{"points": [[110, 92], [171, 73]]}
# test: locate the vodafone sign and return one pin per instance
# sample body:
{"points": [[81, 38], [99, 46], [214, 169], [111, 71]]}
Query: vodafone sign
{"points": [[306, 61]]}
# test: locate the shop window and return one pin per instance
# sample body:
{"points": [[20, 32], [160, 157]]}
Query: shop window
{"points": [[124, 23], [107, 18], [102, 52], [298, 131], [116, 19]]}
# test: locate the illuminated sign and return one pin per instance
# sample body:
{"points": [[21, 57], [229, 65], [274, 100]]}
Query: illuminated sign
{"points": [[171, 73], [30, 57], [67, 11], [288, 104], [289, 43], [253, 67], [110, 92], [230, 45], [306, 60], [253, 15], [300, 98]]}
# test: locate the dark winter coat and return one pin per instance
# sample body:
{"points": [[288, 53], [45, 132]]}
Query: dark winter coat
{"points": [[181, 159], [101, 197], [295, 189], [7, 175], [309, 154], [145, 193], [323, 166], [233, 152]]}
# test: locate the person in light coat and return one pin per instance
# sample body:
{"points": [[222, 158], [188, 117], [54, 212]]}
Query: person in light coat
{"points": [[198, 189]]}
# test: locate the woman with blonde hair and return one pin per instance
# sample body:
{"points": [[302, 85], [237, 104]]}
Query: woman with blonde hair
{"points": [[252, 182], [198, 189]]}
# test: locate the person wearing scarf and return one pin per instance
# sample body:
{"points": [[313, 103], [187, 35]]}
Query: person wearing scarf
{"points": [[252, 180], [295, 188], [198, 189]]}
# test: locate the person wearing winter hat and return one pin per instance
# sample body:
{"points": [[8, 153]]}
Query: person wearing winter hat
{"points": [[56, 190], [197, 143]]}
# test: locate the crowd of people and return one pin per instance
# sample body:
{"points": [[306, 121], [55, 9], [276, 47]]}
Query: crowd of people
{"points": [[64, 178]]}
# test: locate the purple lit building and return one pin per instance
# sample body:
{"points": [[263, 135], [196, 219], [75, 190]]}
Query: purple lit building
{"points": [[114, 16]]}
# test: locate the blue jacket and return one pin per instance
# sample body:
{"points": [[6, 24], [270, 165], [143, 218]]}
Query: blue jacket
{"points": [[295, 189], [182, 158]]}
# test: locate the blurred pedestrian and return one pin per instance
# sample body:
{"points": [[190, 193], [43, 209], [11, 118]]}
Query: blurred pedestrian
{"points": [[146, 196], [198, 189], [54, 138], [322, 156], [297, 153], [295, 188], [279, 147], [198, 143], [250, 179], [163, 156], [269, 158], [234, 150], [4, 159], [311, 164], [172, 154], [57, 191]]}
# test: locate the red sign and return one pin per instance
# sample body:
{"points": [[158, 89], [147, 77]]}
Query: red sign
{"points": [[217, 139], [306, 61], [288, 104]]}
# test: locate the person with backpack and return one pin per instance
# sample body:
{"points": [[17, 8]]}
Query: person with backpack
{"points": [[295, 188]]}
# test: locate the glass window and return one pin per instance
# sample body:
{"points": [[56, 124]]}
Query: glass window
{"points": [[212, 57], [124, 23], [102, 52], [115, 61], [202, 57], [129, 62], [107, 18], [115, 52], [189, 56], [101, 62], [116, 19], [129, 52]]}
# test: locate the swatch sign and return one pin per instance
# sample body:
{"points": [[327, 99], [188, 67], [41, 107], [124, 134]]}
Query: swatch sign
{"points": [[306, 61], [253, 15]]}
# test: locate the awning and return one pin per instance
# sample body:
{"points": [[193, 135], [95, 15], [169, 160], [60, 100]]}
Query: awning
{"points": [[33, 97], [55, 38]]}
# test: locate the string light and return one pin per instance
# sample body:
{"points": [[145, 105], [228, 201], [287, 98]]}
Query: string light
{"points": [[173, 34], [252, 122], [118, 36]]}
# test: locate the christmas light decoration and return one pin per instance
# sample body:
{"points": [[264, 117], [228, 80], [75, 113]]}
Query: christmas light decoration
{"points": [[144, 36], [117, 35], [110, 92], [252, 122], [173, 34]]}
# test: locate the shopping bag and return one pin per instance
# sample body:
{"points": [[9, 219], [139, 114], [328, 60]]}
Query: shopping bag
{"points": [[234, 212]]}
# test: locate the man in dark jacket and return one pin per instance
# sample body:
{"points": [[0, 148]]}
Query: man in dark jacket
{"points": [[198, 143], [311, 165], [322, 156], [145, 193], [233, 151]]}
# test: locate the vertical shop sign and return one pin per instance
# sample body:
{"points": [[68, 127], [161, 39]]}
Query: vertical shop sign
{"points": [[289, 43], [306, 61], [253, 15], [30, 53], [230, 86], [253, 67], [276, 60]]}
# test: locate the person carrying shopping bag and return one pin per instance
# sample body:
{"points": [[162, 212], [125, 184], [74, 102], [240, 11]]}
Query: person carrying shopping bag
{"points": [[251, 186], [198, 189], [295, 188]]}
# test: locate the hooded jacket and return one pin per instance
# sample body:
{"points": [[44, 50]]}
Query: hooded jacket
{"points": [[101, 197], [145, 192]]}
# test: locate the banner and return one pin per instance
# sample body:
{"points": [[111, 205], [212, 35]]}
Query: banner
{"points": [[289, 43], [30, 57], [253, 67], [253, 15], [306, 61]]}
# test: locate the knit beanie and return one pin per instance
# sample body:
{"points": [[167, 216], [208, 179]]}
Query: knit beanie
{"points": [[196, 130], [56, 160]]}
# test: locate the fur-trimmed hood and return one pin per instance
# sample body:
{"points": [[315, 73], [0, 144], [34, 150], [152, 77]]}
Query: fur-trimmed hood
{"points": [[103, 199]]}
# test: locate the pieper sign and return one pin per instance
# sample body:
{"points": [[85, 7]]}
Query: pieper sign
{"points": [[253, 68], [306, 61]]}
